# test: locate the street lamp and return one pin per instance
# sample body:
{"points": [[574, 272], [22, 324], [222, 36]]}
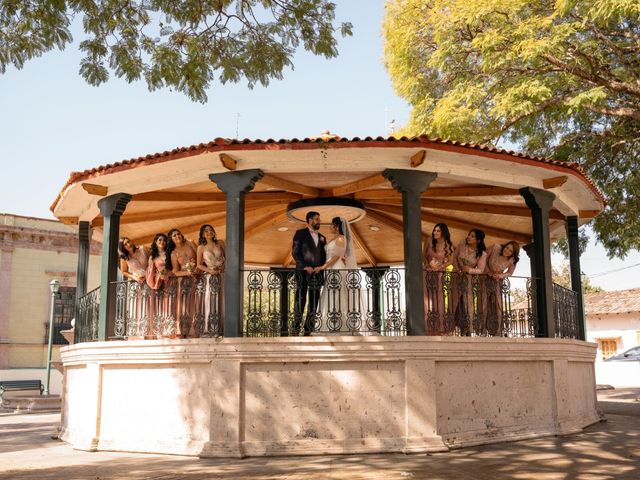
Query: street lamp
{"points": [[54, 285]]}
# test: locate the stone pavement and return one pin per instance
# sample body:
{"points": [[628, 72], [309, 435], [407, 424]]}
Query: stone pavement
{"points": [[607, 450]]}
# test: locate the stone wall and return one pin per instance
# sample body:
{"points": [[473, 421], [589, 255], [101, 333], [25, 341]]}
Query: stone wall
{"points": [[314, 395]]}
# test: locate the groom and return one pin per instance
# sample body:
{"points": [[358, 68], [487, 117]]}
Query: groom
{"points": [[308, 251]]}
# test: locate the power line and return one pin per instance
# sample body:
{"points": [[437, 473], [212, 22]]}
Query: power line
{"points": [[614, 271]]}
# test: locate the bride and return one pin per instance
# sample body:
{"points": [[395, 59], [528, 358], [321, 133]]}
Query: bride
{"points": [[341, 300]]}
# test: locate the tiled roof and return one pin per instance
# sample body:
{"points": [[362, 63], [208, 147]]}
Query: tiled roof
{"points": [[225, 144], [615, 302]]}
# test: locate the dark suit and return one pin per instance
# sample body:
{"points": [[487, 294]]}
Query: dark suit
{"points": [[307, 254]]}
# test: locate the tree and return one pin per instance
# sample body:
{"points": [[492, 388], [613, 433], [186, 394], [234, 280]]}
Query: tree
{"points": [[180, 45], [556, 78], [561, 276]]}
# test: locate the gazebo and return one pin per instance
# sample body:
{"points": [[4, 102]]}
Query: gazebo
{"points": [[395, 390]]}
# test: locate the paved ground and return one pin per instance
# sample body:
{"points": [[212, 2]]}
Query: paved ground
{"points": [[607, 450]]}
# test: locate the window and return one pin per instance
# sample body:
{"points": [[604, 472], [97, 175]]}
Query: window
{"points": [[608, 347], [62, 315]]}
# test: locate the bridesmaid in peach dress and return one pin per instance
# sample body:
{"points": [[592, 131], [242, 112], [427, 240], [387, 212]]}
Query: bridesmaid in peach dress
{"points": [[469, 260], [501, 263], [158, 278], [133, 265], [438, 256], [157, 272], [211, 261], [181, 261], [133, 260]]}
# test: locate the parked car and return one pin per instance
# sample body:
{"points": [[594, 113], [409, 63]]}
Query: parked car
{"points": [[628, 356]]}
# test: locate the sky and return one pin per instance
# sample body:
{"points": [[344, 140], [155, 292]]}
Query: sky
{"points": [[53, 123]]}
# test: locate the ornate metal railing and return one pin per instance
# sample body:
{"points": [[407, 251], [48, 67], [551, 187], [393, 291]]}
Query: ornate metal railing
{"points": [[565, 309], [478, 305], [285, 302], [282, 302], [184, 307], [86, 325]]}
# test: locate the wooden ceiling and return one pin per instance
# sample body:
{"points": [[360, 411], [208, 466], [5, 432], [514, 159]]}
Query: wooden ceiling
{"points": [[500, 212]]}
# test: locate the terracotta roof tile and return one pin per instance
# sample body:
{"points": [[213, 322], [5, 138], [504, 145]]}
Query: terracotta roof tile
{"points": [[226, 143], [615, 302]]}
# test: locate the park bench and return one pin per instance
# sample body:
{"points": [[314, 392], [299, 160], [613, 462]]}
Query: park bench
{"points": [[15, 385]]}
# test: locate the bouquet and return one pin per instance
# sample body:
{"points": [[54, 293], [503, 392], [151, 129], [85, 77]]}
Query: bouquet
{"points": [[190, 267]]}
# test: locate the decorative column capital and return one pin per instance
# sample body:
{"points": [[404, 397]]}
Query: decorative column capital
{"points": [[237, 182], [571, 225], [114, 204], [536, 198], [84, 231], [404, 180]]}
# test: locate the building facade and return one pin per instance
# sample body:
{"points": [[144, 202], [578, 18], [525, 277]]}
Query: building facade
{"points": [[34, 251]]}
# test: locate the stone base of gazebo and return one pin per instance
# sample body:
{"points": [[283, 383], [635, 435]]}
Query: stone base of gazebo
{"points": [[315, 395]]}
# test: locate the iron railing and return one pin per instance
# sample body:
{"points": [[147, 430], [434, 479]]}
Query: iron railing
{"points": [[282, 302], [86, 325], [184, 307], [478, 305], [565, 309], [337, 302]]}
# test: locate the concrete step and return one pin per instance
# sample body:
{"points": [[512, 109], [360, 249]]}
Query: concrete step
{"points": [[34, 404]]}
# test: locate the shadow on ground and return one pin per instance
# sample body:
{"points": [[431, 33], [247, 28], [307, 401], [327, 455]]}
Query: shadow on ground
{"points": [[606, 450]]}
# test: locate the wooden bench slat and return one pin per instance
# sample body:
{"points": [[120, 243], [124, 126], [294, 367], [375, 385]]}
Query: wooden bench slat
{"points": [[14, 385]]}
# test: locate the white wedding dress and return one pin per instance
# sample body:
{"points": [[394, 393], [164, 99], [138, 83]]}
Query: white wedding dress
{"points": [[342, 299]]}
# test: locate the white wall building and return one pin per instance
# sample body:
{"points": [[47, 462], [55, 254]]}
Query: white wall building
{"points": [[613, 322]]}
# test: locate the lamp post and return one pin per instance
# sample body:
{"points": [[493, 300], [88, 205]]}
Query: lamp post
{"points": [[54, 285]]}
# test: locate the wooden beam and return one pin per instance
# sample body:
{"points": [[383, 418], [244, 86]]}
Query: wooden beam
{"points": [[385, 219], [455, 223], [471, 191], [266, 222], [171, 214], [378, 194], [360, 243], [288, 260], [288, 186], [180, 197], [588, 213], [437, 192], [417, 159], [185, 212], [228, 161], [363, 183], [92, 189], [212, 196], [69, 220], [554, 182], [511, 210]]}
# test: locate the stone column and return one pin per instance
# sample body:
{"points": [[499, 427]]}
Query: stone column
{"points": [[111, 208], [235, 184], [571, 226], [6, 263], [540, 202], [412, 183], [82, 270]]}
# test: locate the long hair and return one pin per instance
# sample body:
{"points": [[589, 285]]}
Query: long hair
{"points": [[337, 222], [154, 248], [446, 236], [201, 239], [171, 246], [516, 250], [122, 251], [480, 246]]}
